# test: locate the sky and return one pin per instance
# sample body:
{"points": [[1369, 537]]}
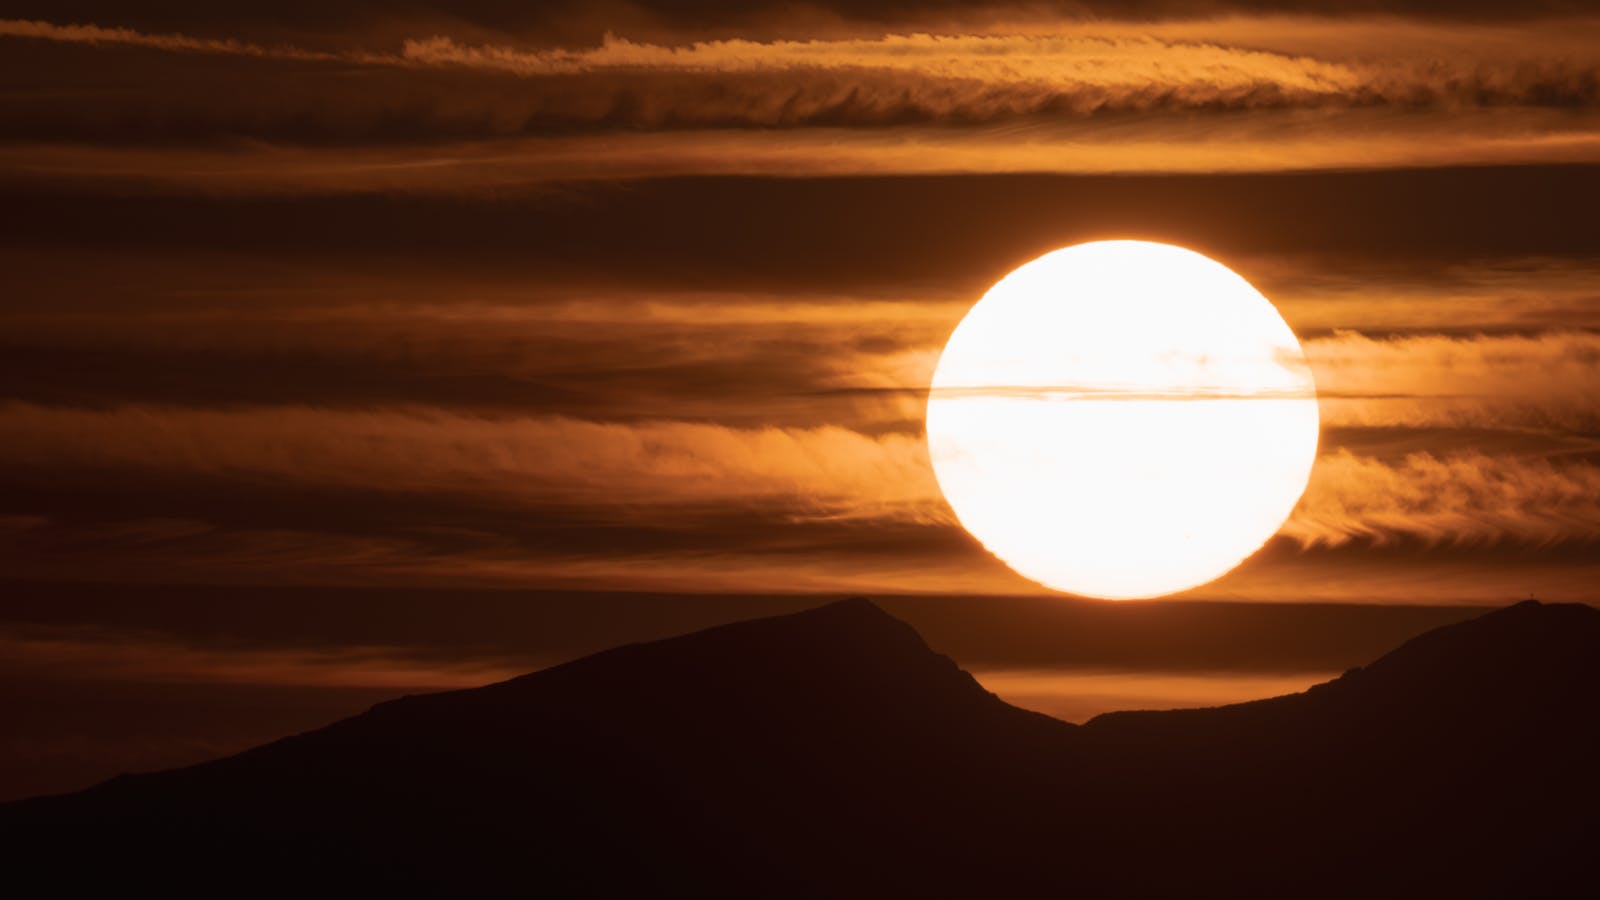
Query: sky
{"points": [[310, 305]]}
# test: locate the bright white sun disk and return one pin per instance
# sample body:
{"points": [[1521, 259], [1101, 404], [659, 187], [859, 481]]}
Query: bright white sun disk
{"points": [[1122, 419]]}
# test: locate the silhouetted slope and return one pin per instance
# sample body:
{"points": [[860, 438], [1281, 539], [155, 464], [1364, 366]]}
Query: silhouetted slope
{"points": [[733, 760], [831, 753], [1463, 761]]}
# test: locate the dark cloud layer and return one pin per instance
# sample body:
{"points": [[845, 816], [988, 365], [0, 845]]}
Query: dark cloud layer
{"points": [[571, 19], [452, 103], [874, 233], [443, 91], [284, 374]]}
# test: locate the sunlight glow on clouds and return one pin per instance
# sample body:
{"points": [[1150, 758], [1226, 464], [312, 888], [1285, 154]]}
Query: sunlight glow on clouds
{"points": [[663, 471], [1267, 93], [326, 301]]}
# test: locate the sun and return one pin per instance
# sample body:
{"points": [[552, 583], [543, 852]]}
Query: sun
{"points": [[1122, 419]]}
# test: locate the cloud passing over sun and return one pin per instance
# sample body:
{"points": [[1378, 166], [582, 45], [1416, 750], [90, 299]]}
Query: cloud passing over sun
{"points": [[621, 295]]}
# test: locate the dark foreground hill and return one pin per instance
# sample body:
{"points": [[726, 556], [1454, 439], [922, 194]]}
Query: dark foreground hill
{"points": [[832, 754]]}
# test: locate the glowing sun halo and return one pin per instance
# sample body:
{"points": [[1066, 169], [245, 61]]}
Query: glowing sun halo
{"points": [[1122, 419]]}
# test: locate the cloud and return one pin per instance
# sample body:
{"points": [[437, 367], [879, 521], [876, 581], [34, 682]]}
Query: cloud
{"points": [[556, 20], [1080, 68], [1387, 251], [277, 410], [1466, 498], [682, 552], [1182, 74], [440, 111], [666, 471], [174, 43], [1376, 294], [1244, 144], [743, 360], [736, 359], [1110, 68], [79, 653], [825, 472], [1546, 380]]}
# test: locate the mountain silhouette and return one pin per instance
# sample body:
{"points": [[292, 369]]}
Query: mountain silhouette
{"points": [[831, 753]]}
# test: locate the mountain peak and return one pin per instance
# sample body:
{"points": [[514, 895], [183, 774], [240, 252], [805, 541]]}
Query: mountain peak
{"points": [[1524, 638], [846, 668], [831, 753], [848, 642], [1528, 668]]}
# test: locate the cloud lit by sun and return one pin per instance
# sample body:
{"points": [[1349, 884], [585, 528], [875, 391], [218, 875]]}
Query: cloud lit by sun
{"points": [[632, 297]]}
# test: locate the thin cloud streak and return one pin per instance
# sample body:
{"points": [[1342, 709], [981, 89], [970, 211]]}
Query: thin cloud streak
{"points": [[1319, 573], [747, 359], [1484, 297], [825, 472], [894, 104], [102, 653], [1510, 381], [767, 559], [1111, 67], [1248, 143], [656, 470], [1082, 62], [1468, 498], [173, 43]]}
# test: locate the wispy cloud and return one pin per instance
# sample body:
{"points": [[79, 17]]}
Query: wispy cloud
{"points": [[1542, 381], [657, 414], [114, 654], [170, 42], [1462, 498], [439, 110], [1212, 73], [1363, 139], [1487, 295], [797, 473], [659, 471], [1081, 68]]}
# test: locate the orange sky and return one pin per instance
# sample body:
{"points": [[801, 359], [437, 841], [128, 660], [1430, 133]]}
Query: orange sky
{"points": [[677, 280], [645, 296]]}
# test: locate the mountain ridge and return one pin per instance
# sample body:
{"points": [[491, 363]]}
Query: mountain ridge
{"points": [[830, 752]]}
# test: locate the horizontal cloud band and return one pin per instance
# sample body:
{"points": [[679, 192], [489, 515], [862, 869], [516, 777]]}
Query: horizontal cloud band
{"points": [[894, 80], [786, 474]]}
